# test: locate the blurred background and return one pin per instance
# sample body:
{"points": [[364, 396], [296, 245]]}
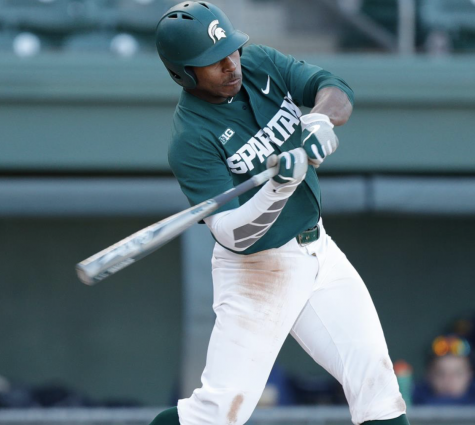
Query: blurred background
{"points": [[85, 112]]}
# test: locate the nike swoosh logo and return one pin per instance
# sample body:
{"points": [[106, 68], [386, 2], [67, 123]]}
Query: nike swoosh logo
{"points": [[266, 91], [314, 130]]}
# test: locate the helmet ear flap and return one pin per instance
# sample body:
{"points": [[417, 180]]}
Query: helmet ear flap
{"points": [[188, 78], [189, 71], [174, 75]]}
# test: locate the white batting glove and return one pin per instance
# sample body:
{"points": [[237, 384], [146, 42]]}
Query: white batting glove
{"points": [[292, 169], [318, 138]]}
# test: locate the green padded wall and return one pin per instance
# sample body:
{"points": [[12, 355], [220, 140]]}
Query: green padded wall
{"points": [[122, 337], [116, 340]]}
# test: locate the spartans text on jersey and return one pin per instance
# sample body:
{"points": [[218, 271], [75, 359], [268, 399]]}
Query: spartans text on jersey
{"points": [[276, 132]]}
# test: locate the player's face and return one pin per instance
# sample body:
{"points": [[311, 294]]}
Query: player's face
{"points": [[219, 81]]}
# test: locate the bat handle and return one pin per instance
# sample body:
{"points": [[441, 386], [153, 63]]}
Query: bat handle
{"points": [[254, 181]]}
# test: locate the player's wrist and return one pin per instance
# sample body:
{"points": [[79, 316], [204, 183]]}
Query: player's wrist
{"points": [[311, 119], [278, 191]]}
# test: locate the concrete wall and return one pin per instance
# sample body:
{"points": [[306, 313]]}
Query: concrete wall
{"points": [[95, 114]]}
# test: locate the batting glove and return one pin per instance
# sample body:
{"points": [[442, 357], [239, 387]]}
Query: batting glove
{"points": [[318, 138], [292, 169]]}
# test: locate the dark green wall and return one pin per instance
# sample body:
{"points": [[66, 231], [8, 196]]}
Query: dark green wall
{"points": [[122, 337], [119, 339]]}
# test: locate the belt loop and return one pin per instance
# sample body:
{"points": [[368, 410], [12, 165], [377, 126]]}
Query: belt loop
{"points": [[308, 236]]}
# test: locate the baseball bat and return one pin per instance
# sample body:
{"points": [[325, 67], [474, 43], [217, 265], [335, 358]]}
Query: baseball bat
{"points": [[145, 241]]}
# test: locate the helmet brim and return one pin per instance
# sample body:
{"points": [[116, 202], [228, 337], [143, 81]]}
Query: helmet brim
{"points": [[222, 50]]}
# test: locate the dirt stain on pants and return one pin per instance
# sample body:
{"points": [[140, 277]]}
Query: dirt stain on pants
{"points": [[234, 410]]}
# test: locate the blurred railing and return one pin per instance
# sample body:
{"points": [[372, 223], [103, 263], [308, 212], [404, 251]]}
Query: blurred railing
{"points": [[271, 416], [126, 27]]}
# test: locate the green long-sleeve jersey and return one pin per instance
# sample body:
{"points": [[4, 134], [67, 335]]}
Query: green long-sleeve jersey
{"points": [[214, 147]]}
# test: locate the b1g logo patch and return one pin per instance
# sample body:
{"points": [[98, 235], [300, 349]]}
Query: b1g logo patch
{"points": [[224, 138]]}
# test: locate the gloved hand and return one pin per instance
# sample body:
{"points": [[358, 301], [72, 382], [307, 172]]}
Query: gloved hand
{"points": [[318, 138], [292, 169]]}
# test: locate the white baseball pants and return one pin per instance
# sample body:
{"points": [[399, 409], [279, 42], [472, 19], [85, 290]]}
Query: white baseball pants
{"points": [[314, 293]]}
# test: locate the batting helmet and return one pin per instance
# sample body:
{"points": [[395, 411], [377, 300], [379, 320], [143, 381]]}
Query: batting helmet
{"points": [[195, 34]]}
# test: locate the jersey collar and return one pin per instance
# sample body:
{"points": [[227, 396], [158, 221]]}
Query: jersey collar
{"points": [[189, 101]]}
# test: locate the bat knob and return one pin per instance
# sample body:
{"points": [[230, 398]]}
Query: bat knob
{"points": [[83, 276]]}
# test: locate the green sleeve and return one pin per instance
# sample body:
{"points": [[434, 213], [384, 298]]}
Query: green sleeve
{"points": [[303, 79], [200, 170], [324, 79]]}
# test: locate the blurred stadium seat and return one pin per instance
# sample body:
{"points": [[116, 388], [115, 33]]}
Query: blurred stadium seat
{"points": [[91, 25], [141, 15], [450, 15], [453, 20], [382, 11], [48, 20], [442, 25], [53, 16]]}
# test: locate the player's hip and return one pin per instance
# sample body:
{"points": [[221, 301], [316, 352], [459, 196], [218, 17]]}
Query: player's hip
{"points": [[295, 247]]}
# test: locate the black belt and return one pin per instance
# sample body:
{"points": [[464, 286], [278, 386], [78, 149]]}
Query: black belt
{"points": [[309, 236]]}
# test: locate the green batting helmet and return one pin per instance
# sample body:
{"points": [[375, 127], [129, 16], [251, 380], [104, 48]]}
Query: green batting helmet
{"points": [[195, 34]]}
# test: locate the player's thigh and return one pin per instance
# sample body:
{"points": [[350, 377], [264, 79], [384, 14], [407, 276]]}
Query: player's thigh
{"points": [[339, 327], [257, 300]]}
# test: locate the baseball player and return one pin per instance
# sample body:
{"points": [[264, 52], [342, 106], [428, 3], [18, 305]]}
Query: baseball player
{"points": [[275, 269]]}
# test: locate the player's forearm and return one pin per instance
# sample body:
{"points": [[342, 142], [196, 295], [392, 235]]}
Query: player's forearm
{"points": [[240, 228], [334, 103]]}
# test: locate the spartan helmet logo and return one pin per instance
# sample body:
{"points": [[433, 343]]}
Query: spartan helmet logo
{"points": [[215, 31]]}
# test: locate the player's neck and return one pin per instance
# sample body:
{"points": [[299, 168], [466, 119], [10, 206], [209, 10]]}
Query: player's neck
{"points": [[206, 96]]}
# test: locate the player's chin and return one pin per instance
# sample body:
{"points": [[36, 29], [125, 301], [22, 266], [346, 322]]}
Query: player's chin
{"points": [[232, 88]]}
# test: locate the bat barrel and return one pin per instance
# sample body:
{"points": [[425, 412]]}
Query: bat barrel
{"points": [[133, 248]]}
